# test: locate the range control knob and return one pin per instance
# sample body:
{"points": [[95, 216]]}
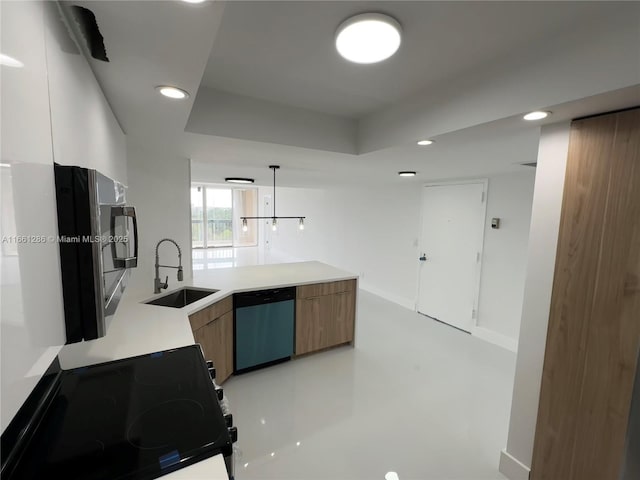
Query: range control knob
{"points": [[228, 419], [212, 370], [219, 393], [233, 433]]}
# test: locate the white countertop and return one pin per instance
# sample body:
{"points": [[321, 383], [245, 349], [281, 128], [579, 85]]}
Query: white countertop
{"points": [[209, 469], [138, 328]]}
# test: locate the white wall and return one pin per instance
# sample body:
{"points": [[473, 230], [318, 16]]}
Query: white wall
{"points": [[159, 188], [543, 239], [369, 231], [42, 122], [289, 243], [504, 257], [373, 232]]}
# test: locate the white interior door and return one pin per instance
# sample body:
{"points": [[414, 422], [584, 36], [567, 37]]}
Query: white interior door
{"points": [[451, 249]]}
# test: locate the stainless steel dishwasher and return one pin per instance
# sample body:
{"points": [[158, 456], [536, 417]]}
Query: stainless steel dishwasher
{"points": [[263, 328]]}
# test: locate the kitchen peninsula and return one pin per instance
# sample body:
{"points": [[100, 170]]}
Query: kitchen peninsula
{"points": [[323, 292]]}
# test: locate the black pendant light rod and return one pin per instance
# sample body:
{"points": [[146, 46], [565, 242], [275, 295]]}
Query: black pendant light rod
{"points": [[274, 216], [274, 168]]}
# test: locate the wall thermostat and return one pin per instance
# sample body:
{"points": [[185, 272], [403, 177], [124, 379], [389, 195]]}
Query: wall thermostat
{"points": [[495, 223]]}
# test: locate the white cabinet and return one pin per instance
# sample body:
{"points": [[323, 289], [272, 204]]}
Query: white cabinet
{"points": [[31, 320], [26, 132], [85, 130], [52, 110]]}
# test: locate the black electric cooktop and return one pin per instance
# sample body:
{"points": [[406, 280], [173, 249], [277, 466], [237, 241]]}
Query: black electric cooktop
{"points": [[137, 418]]}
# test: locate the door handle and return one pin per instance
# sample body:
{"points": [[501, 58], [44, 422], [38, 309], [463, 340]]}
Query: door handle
{"points": [[121, 211], [423, 257]]}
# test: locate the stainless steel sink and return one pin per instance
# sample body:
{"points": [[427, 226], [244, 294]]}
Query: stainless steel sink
{"points": [[181, 298]]}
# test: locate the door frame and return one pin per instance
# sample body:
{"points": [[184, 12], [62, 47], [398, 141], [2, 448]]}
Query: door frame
{"points": [[484, 181]]}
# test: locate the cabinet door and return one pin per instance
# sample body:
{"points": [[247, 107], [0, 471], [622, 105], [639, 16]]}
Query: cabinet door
{"points": [[341, 322], [216, 339], [593, 336], [312, 317]]}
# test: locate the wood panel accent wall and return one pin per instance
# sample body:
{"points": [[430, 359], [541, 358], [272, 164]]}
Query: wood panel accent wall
{"points": [[594, 325]]}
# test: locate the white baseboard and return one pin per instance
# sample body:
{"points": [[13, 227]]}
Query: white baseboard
{"points": [[511, 468], [496, 338], [403, 302]]}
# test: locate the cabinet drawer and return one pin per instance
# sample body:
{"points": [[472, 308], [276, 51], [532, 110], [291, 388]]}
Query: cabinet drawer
{"points": [[329, 288], [202, 317]]}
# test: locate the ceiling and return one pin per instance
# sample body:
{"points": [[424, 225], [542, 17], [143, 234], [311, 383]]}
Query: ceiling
{"points": [[267, 86], [284, 51]]}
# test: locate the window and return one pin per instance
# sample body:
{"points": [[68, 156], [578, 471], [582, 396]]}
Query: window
{"points": [[215, 216]]}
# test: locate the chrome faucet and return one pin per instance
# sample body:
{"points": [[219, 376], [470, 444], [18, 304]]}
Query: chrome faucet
{"points": [[157, 283]]}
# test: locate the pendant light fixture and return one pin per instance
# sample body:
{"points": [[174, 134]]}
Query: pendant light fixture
{"points": [[274, 218]]}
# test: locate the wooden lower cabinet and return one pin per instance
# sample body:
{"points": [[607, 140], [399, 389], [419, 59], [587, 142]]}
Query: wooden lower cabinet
{"points": [[216, 340], [325, 315]]}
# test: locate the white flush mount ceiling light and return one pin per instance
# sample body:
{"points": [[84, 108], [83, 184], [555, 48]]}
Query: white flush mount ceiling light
{"points": [[8, 61], [368, 38], [407, 173], [537, 115], [194, 1], [423, 143], [172, 92], [238, 180]]}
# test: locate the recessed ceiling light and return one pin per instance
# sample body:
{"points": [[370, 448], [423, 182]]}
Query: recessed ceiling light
{"points": [[407, 174], [424, 142], [238, 180], [194, 1], [172, 92], [537, 115], [368, 38], [8, 61]]}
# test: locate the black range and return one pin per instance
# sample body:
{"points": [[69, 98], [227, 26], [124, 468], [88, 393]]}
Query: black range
{"points": [[136, 418]]}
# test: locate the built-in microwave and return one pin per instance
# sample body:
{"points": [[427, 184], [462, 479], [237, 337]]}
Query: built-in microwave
{"points": [[98, 238]]}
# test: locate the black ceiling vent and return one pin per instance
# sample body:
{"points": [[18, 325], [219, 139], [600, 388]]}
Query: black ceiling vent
{"points": [[89, 28], [532, 164]]}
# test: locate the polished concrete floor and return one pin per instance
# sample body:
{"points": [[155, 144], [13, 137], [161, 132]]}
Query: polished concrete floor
{"points": [[414, 397]]}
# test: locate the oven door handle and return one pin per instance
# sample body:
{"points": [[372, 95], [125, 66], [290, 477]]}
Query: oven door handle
{"points": [[124, 262]]}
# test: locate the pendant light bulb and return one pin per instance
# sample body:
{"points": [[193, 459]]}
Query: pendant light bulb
{"points": [[245, 227], [274, 224], [301, 224]]}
